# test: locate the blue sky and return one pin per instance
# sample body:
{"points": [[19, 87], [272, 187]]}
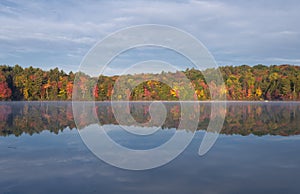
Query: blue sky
{"points": [[59, 33]]}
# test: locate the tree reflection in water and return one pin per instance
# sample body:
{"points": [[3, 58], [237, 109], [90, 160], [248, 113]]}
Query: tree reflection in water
{"points": [[243, 118]]}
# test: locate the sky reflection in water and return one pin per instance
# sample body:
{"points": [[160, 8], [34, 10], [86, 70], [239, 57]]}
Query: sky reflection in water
{"points": [[246, 158]]}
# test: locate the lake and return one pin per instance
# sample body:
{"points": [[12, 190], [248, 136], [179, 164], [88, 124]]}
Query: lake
{"points": [[41, 151]]}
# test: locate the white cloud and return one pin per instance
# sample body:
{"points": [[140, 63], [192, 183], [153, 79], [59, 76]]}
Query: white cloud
{"points": [[61, 32]]}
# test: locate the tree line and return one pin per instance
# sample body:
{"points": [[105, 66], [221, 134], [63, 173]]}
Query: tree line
{"points": [[260, 82]]}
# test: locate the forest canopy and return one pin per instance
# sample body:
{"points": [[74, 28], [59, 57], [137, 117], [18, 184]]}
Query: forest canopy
{"points": [[260, 82]]}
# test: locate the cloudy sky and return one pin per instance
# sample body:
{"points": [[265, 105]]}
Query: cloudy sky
{"points": [[59, 33]]}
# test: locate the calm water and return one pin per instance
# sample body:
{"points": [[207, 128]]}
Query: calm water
{"points": [[258, 151]]}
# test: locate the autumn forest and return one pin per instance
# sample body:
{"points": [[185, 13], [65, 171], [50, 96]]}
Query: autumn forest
{"points": [[260, 82]]}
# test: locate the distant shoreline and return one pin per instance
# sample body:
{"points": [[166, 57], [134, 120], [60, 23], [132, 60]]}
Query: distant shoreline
{"points": [[163, 101]]}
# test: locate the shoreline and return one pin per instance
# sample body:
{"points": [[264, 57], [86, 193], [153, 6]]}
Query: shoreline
{"points": [[150, 101]]}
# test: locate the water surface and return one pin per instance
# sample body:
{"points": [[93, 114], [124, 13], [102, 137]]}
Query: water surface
{"points": [[257, 151]]}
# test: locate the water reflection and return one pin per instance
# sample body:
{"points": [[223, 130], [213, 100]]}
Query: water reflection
{"points": [[47, 163], [242, 118]]}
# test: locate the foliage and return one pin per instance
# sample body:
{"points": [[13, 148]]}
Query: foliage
{"points": [[241, 83]]}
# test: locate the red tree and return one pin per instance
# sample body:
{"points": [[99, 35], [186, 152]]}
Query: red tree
{"points": [[5, 91]]}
